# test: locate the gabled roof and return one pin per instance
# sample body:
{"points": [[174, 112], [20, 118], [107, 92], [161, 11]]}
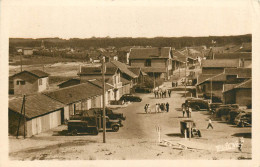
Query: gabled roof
{"points": [[100, 84], [75, 93], [30, 76], [179, 56], [220, 63], [135, 70], [35, 105], [208, 77], [244, 85], [124, 68], [236, 55], [97, 71], [240, 72], [69, 80], [150, 53]]}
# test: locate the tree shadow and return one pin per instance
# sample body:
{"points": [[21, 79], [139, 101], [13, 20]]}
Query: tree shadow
{"points": [[174, 135], [244, 135]]}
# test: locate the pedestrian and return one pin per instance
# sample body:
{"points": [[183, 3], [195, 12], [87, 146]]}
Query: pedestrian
{"points": [[167, 107], [169, 93], [173, 84], [240, 143], [154, 93], [145, 108], [183, 111], [160, 93], [165, 92], [187, 112], [161, 107], [164, 107], [190, 110], [156, 108], [157, 93], [210, 124], [148, 109]]}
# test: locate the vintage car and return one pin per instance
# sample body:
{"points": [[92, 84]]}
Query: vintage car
{"points": [[244, 119], [91, 125], [196, 104], [189, 126], [130, 97], [213, 107], [142, 89]]}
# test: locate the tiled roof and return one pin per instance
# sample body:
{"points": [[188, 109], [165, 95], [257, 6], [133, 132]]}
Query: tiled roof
{"points": [[97, 70], [149, 53], [208, 77], [35, 105], [124, 68], [244, 85], [100, 84], [236, 55], [75, 93], [69, 80], [240, 72], [220, 63], [179, 56], [153, 69], [35, 73]]}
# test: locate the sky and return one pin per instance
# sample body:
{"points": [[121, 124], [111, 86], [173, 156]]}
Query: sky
{"points": [[78, 19]]}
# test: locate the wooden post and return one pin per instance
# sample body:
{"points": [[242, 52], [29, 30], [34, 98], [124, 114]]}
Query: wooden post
{"points": [[24, 119], [185, 133], [21, 61], [104, 109]]}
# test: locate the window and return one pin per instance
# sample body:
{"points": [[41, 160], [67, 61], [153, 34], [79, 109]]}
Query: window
{"points": [[40, 81], [148, 63], [20, 82]]}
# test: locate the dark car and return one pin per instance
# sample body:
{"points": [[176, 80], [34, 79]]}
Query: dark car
{"points": [[130, 97], [213, 107], [99, 112], [91, 125], [244, 119], [196, 104], [141, 89]]}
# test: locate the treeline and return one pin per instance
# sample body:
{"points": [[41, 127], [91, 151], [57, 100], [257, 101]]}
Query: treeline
{"points": [[176, 42]]}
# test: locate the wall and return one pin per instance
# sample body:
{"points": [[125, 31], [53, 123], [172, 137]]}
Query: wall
{"points": [[159, 63], [230, 97], [28, 88], [243, 96], [212, 70], [45, 84], [13, 121], [137, 63]]}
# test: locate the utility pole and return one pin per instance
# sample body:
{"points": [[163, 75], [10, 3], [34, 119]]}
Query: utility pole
{"points": [[24, 119], [104, 93], [211, 89], [22, 108], [21, 61], [185, 72], [153, 81]]}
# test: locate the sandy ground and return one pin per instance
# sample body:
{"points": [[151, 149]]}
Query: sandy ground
{"points": [[138, 138]]}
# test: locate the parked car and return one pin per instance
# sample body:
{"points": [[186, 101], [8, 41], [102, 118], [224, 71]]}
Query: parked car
{"points": [[130, 97], [142, 89], [223, 111], [109, 112], [91, 125], [186, 126], [196, 104], [213, 107], [244, 119]]}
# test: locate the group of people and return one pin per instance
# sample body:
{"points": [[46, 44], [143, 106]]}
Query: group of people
{"points": [[159, 107], [188, 111], [162, 93]]}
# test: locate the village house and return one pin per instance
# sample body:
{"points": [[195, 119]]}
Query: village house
{"points": [[79, 97], [28, 82], [214, 83], [178, 60], [238, 93], [41, 114], [156, 62], [141, 75], [112, 74], [218, 66]]}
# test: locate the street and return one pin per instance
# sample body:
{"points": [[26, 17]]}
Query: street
{"points": [[138, 139]]}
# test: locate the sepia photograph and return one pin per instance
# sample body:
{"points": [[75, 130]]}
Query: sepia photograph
{"points": [[129, 80]]}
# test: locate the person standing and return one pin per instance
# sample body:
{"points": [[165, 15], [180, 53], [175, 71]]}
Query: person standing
{"points": [[148, 108], [190, 110], [210, 124], [145, 108], [169, 93], [240, 143], [154, 93], [156, 108], [183, 111], [187, 111], [167, 107]]}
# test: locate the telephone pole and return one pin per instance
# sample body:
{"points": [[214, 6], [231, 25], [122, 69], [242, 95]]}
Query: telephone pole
{"points": [[104, 103]]}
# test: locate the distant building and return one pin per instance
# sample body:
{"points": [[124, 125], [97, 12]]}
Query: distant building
{"points": [[28, 82], [156, 62], [27, 51]]}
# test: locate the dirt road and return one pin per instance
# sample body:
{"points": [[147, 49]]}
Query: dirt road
{"points": [[138, 138]]}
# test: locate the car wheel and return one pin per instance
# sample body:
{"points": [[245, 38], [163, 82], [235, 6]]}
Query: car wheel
{"points": [[115, 128], [74, 132], [197, 108]]}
